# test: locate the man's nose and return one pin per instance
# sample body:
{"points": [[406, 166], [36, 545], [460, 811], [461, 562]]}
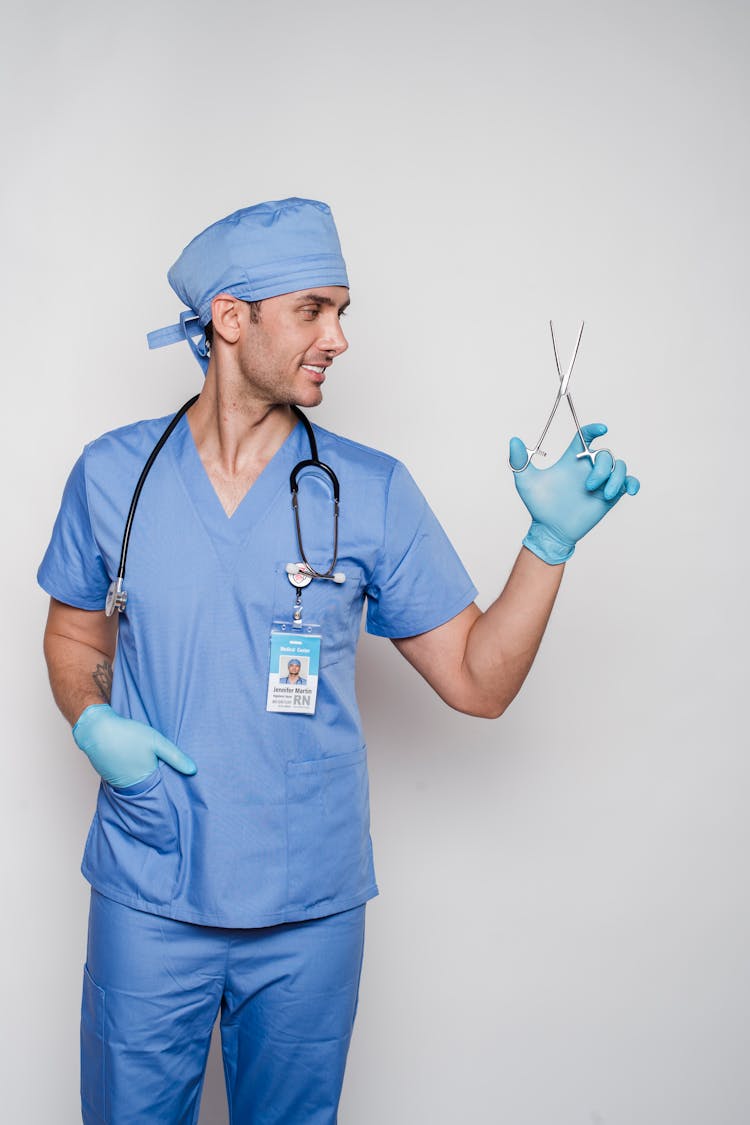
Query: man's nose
{"points": [[333, 341]]}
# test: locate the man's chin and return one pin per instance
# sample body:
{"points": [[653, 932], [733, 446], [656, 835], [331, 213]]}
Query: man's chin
{"points": [[309, 397]]}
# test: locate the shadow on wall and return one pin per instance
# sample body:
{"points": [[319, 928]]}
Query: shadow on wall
{"points": [[214, 1101]]}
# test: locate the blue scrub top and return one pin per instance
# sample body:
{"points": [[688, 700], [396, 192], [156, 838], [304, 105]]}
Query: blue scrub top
{"points": [[274, 826]]}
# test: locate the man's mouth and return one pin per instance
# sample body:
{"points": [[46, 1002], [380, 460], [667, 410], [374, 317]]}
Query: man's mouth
{"points": [[319, 371]]}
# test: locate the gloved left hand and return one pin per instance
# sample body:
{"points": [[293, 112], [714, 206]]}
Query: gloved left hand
{"points": [[125, 751], [568, 499]]}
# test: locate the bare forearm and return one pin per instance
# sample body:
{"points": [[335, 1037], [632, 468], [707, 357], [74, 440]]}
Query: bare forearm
{"points": [[477, 661], [78, 674], [503, 641], [79, 647]]}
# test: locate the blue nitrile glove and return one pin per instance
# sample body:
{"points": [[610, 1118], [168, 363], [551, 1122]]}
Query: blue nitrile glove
{"points": [[123, 751], [568, 499]]}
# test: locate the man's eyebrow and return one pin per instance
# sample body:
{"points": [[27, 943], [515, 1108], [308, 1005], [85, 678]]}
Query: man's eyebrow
{"points": [[319, 299]]}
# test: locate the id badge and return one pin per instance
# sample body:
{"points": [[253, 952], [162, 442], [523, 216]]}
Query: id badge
{"points": [[293, 668]]}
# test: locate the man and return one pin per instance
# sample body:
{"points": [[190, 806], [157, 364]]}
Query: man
{"points": [[230, 857], [293, 670]]}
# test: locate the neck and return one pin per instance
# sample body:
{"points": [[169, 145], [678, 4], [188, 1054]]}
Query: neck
{"points": [[234, 430], [236, 435]]}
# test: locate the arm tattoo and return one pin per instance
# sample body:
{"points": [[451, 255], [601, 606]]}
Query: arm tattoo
{"points": [[102, 677]]}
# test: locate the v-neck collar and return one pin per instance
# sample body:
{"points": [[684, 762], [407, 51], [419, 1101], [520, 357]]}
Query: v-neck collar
{"points": [[232, 531]]}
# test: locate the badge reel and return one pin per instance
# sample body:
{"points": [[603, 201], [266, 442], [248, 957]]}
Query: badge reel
{"points": [[295, 655]]}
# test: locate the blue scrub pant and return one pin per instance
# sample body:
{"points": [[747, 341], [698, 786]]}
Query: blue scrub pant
{"points": [[151, 993]]}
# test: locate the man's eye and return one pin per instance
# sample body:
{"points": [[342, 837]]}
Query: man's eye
{"points": [[342, 313], [311, 313]]}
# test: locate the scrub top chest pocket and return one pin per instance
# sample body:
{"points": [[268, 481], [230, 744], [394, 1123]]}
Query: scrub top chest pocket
{"points": [[336, 608]]}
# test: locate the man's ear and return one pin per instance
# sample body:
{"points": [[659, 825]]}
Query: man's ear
{"points": [[225, 317]]}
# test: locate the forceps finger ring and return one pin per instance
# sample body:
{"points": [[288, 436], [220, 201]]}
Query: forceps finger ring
{"points": [[587, 451], [592, 454], [530, 454]]}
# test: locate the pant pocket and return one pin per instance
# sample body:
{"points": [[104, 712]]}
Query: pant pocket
{"points": [[93, 1058], [329, 854]]}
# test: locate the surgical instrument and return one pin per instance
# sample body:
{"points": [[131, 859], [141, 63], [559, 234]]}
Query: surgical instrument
{"points": [[563, 393]]}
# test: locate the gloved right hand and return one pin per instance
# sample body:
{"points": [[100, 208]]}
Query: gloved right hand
{"points": [[124, 751], [570, 498]]}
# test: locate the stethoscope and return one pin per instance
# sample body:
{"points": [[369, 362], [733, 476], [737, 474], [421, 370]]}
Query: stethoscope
{"points": [[300, 574]]}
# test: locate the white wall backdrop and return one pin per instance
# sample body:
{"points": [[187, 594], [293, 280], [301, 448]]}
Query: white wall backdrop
{"points": [[563, 933]]}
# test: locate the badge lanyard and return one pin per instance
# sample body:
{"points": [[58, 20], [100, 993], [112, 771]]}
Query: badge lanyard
{"points": [[295, 647]]}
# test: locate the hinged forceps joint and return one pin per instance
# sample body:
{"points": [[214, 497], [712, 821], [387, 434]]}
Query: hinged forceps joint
{"points": [[563, 393]]}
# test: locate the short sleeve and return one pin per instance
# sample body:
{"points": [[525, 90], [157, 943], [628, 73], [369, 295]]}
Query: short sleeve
{"points": [[418, 581], [72, 569]]}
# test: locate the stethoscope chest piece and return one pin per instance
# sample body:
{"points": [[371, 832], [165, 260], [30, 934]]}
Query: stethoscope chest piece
{"points": [[116, 598]]}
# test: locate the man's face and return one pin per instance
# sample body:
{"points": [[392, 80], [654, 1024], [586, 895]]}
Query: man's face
{"points": [[294, 667], [284, 356]]}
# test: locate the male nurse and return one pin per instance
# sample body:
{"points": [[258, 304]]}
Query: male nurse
{"points": [[229, 857]]}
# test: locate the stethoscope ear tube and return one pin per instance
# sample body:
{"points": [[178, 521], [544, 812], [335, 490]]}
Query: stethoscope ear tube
{"points": [[315, 464], [295, 506]]}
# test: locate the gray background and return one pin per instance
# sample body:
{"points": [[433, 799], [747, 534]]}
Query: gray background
{"points": [[562, 937]]}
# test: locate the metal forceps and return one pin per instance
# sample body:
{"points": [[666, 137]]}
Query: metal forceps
{"points": [[563, 393]]}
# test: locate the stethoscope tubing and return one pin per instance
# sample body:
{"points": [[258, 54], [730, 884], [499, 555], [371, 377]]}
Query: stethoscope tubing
{"points": [[142, 480], [117, 597], [314, 462]]}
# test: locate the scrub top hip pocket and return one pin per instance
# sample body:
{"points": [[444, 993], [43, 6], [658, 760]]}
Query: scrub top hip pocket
{"points": [[134, 840], [329, 854]]}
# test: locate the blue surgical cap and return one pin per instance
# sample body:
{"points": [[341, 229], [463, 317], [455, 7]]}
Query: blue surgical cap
{"points": [[258, 252]]}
